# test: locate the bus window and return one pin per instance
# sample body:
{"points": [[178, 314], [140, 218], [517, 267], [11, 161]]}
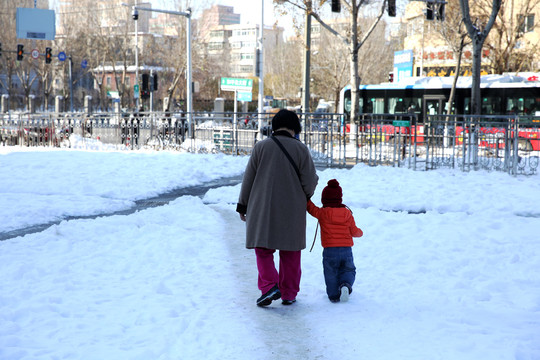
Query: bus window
{"points": [[491, 105], [522, 106], [434, 104], [405, 105], [396, 106], [375, 106]]}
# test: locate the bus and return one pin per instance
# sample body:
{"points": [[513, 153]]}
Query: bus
{"points": [[422, 96]]}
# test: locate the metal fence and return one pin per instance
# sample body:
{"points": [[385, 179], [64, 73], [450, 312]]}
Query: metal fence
{"points": [[493, 143], [504, 143]]}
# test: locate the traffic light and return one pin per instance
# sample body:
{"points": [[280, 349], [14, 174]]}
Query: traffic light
{"points": [[155, 82], [145, 91], [429, 10], [391, 77], [336, 6], [392, 8], [0, 49], [440, 12], [20, 52], [145, 82], [48, 55]]}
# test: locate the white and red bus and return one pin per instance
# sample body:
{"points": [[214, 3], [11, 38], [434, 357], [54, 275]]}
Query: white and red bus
{"points": [[421, 96]]}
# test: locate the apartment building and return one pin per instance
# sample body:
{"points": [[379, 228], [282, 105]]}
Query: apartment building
{"points": [[432, 56], [227, 40]]}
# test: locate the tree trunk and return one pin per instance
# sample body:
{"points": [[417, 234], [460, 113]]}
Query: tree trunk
{"points": [[458, 69], [476, 98], [478, 36], [354, 63]]}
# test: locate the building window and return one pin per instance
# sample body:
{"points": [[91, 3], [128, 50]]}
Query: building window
{"points": [[526, 23], [128, 81], [108, 81], [246, 68], [215, 46]]}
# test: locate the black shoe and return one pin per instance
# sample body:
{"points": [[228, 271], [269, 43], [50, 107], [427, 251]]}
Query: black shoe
{"points": [[266, 299], [288, 302]]}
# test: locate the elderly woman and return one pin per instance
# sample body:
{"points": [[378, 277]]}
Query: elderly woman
{"points": [[279, 179]]}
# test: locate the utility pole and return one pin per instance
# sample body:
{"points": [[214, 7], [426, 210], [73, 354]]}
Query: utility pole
{"points": [[307, 59], [261, 72], [135, 18]]}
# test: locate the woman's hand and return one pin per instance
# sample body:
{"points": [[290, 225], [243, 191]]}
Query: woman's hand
{"points": [[243, 217]]}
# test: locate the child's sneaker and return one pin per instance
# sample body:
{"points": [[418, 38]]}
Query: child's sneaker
{"points": [[344, 294]]}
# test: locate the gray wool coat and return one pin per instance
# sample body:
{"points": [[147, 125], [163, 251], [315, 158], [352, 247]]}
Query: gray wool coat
{"points": [[272, 196]]}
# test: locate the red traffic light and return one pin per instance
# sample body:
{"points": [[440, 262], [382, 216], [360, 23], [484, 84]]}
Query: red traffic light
{"points": [[48, 55], [20, 52]]}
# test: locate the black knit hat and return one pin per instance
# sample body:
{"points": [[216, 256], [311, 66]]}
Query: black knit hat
{"points": [[332, 194], [286, 119]]}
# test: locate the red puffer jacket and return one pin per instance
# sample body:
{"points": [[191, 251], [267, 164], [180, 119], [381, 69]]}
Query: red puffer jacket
{"points": [[337, 225]]}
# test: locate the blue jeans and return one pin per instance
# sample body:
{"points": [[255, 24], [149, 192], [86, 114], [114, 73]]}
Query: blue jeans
{"points": [[339, 270]]}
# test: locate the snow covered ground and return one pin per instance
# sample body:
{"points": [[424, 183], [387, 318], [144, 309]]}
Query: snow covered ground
{"points": [[447, 268]]}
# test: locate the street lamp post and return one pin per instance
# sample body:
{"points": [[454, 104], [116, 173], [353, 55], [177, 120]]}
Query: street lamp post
{"points": [[136, 17], [307, 57], [189, 85], [261, 73]]}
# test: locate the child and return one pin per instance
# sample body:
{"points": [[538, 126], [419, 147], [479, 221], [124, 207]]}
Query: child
{"points": [[337, 230]]}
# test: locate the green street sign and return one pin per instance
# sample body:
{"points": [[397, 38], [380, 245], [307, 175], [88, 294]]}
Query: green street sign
{"points": [[244, 96], [113, 94], [136, 91], [401, 123], [234, 84]]}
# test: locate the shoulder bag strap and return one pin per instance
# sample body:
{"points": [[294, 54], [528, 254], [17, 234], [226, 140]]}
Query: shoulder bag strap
{"points": [[287, 155]]}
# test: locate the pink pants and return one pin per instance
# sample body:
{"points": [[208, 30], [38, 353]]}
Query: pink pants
{"points": [[288, 279]]}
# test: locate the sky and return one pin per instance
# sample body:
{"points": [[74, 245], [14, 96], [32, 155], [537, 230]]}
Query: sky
{"points": [[447, 268]]}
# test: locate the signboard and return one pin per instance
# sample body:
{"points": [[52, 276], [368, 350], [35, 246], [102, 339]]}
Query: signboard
{"points": [[84, 64], [403, 64], [113, 94], [33, 23], [62, 56], [244, 96], [35, 53], [136, 91], [234, 84], [401, 123]]}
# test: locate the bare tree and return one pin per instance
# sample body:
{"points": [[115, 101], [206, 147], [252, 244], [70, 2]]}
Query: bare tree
{"points": [[510, 47], [45, 74], [454, 33], [353, 38], [284, 71], [478, 31], [9, 45], [10, 68]]}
